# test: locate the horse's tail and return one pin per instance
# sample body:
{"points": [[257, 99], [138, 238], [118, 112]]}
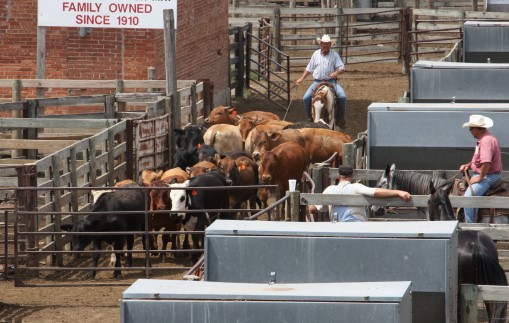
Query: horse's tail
{"points": [[487, 271]]}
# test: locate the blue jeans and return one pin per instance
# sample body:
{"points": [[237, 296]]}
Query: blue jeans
{"points": [[342, 214], [479, 190], [340, 93]]}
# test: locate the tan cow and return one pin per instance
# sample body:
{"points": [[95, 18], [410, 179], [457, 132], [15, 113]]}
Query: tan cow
{"points": [[200, 168], [228, 115], [223, 138], [148, 176], [321, 144], [246, 124], [264, 141]]}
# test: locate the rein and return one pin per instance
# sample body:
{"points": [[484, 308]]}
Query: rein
{"points": [[468, 182], [291, 99]]}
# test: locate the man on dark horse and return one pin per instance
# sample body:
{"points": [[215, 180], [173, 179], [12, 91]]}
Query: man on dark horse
{"points": [[486, 164], [326, 65]]}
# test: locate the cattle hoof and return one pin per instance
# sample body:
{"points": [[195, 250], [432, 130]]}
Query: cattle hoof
{"points": [[91, 275], [117, 274]]}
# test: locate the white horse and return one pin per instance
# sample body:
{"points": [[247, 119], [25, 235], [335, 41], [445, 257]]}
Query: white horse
{"points": [[323, 104]]}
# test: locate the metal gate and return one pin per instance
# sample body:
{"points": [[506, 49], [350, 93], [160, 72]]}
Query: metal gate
{"points": [[254, 64]]}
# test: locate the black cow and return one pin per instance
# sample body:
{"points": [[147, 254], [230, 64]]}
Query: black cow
{"points": [[189, 137], [189, 157], [200, 200], [184, 157], [97, 221]]}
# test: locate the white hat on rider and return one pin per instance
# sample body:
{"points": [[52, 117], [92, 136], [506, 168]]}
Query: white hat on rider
{"points": [[325, 39], [478, 121]]}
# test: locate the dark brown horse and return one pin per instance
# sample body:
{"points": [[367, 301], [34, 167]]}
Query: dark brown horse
{"points": [[477, 253]]}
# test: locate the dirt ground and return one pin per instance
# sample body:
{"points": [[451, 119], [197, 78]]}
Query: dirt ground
{"points": [[363, 84]]}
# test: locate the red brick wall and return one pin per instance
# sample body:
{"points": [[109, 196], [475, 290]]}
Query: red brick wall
{"points": [[202, 47]]}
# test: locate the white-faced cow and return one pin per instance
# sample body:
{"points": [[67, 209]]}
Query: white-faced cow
{"points": [[99, 221], [200, 199]]}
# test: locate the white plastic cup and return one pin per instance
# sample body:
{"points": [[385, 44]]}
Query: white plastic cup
{"points": [[292, 183]]}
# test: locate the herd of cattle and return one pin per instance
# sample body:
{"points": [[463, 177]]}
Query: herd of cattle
{"points": [[244, 151]]}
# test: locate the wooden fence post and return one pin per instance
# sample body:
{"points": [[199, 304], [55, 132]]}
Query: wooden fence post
{"points": [[170, 55], [152, 75], [339, 29], [121, 89], [293, 206], [27, 201], [194, 111], [468, 303]]}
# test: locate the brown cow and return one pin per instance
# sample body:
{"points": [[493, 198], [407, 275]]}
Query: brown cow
{"points": [[246, 124], [241, 171], [321, 144], [200, 168], [223, 138], [286, 161], [264, 141], [228, 115]]}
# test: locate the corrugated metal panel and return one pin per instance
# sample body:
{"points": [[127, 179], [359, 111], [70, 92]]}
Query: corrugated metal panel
{"points": [[486, 41], [422, 252], [189, 301], [460, 82], [428, 135], [497, 5]]}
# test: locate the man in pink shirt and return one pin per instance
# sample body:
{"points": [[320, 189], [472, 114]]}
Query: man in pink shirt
{"points": [[486, 165]]}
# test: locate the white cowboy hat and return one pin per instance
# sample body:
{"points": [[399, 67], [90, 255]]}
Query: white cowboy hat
{"points": [[325, 39], [479, 121]]}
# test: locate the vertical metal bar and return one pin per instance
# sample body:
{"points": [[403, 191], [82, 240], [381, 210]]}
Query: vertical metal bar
{"points": [[6, 247], [277, 35], [249, 43]]}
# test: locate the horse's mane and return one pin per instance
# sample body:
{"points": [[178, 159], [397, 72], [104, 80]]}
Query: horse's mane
{"points": [[414, 183]]}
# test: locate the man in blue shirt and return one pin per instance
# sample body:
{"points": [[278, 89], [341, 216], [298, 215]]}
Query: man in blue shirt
{"points": [[325, 65]]}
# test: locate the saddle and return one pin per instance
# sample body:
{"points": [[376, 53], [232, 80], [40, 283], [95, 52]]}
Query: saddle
{"points": [[500, 188]]}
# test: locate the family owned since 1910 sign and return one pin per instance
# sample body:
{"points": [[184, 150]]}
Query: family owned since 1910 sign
{"points": [[104, 13]]}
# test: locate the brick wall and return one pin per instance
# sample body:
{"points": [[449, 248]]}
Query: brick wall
{"points": [[202, 47]]}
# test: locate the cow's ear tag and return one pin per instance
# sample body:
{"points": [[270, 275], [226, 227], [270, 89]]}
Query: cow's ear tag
{"points": [[199, 145], [194, 192], [234, 113], [242, 167]]}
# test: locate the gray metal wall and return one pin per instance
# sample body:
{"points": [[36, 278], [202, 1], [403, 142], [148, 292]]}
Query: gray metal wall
{"points": [[428, 135], [422, 252], [443, 82], [198, 301], [485, 41]]}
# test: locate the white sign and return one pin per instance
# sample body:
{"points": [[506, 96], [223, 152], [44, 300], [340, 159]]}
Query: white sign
{"points": [[105, 13]]}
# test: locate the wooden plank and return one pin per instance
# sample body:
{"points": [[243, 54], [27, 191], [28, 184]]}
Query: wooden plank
{"points": [[92, 84], [435, 12], [56, 123], [42, 145], [74, 101], [494, 293]]}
